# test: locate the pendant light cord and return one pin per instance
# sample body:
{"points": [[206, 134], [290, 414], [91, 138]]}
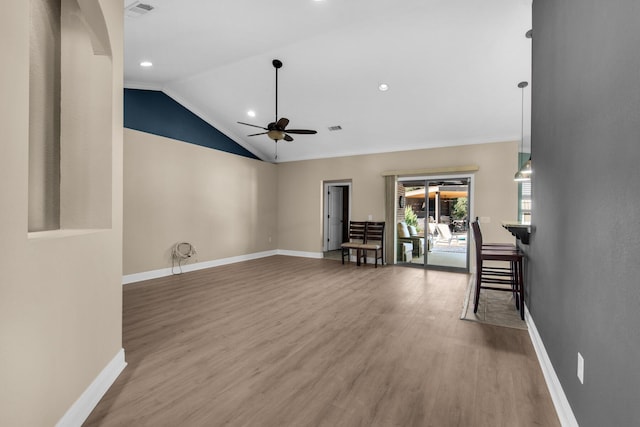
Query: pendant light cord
{"points": [[522, 122], [522, 85]]}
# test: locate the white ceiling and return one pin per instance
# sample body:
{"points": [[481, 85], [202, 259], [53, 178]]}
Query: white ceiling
{"points": [[452, 67]]}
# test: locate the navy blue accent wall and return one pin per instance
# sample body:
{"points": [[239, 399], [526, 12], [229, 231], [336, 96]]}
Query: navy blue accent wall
{"points": [[155, 112]]}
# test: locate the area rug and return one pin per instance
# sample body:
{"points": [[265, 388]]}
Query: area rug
{"points": [[494, 308]]}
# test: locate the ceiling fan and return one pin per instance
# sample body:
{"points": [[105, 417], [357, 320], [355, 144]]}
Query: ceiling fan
{"points": [[277, 130]]}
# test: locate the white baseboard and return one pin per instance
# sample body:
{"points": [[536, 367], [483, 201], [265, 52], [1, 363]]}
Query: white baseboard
{"points": [[164, 272], [315, 255], [146, 275], [563, 408], [80, 410]]}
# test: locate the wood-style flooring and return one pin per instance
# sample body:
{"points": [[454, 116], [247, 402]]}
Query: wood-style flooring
{"points": [[286, 341]]}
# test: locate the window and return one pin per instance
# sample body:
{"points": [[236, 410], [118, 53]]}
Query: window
{"points": [[525, 202]]}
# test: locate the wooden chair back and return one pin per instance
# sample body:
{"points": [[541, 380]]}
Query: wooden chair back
{"points": [[357, 231], [375, 232], [374, 242]]}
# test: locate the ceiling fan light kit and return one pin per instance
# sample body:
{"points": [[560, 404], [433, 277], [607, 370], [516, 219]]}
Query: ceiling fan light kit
{"points": [[276, 135], [277, 130]]}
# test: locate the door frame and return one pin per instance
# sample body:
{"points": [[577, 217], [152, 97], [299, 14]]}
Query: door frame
{"points": [[471, 195], [326, 185]]}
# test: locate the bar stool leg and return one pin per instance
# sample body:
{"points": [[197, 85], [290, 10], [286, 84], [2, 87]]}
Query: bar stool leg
{"points": [[476, 300], [521, 287], [514, 283]]}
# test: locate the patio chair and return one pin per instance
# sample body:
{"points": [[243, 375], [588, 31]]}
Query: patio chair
{"points": [[444, 234], [407, 235], [431, 233]]}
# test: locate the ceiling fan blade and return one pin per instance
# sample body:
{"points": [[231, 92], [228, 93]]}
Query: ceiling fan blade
{"points": [[282, 123], [287, 138], [255, 126], [261, 133], [302, 131]]}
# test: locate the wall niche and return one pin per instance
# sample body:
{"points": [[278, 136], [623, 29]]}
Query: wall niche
{"points": [[70, 112]]}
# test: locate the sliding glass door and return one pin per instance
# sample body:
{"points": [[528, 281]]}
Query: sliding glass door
{"points": [[433, 223]]}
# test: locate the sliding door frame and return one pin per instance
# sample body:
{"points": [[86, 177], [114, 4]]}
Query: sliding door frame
{"points": [[470, 177]]}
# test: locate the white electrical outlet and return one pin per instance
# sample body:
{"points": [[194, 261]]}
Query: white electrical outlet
{"points": [[580, 368], [370, 217]]}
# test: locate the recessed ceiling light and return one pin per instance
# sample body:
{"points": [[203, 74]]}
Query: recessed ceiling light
{"points": [[146, 64], [383, 87], [251, 113]]}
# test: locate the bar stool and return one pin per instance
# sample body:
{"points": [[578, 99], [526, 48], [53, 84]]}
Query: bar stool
{"points": [[509, 246], [488, 277]]}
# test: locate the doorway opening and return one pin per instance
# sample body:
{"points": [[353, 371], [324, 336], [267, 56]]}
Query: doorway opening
{"points": [[433, 222], [336, 214]]}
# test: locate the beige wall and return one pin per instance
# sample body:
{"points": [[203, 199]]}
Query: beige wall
{"points": [[223, 204], [300, 188], [60, 292], [227, 205]]}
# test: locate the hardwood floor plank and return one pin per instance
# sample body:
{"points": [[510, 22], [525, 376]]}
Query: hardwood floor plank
{"points": [[286, 341]]}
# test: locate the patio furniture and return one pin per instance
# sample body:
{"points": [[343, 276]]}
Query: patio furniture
{"points": [[409, 234], [405, 251], [444, 234]]}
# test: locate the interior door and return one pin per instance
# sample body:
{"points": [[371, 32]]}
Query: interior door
{"points": [[335, 213]]}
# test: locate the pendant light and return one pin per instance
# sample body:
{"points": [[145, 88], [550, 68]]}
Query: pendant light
{"points": [[524, 173]]}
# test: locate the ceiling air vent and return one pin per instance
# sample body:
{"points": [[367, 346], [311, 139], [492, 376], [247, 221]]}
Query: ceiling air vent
{"points": [[334, 128], [138, 9]]}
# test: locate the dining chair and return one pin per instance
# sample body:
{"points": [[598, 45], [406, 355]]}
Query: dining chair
{"points": [[357, 231]]}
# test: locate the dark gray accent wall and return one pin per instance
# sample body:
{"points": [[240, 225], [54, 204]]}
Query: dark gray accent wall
{"points": [[584, 288]]}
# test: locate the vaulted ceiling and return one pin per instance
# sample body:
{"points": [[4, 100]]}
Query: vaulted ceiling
{"points": [[452, 68]]}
